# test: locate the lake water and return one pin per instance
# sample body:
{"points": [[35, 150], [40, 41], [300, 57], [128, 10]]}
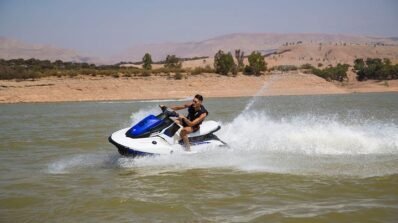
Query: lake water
{"points": [[331, 158]]}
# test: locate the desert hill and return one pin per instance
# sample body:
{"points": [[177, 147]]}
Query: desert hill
{"points": [[14, 49], [330, 53], [304, 45], [315, 54], [263, 42]]}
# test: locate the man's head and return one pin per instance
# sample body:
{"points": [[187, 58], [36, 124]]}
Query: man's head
{"points": [[197, 100]]}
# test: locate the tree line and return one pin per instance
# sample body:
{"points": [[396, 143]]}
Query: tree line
{"points": [[224, 64], [375, 69], [330, 73], [369, 69]]}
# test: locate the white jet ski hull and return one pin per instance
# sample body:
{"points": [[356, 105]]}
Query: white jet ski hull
{"points": [[162, 144]]}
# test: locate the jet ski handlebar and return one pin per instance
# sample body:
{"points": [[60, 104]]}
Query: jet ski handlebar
{"points": [[168, 112]]}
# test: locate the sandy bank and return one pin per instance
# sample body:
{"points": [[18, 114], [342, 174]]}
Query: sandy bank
{"points": [[85, 88]]}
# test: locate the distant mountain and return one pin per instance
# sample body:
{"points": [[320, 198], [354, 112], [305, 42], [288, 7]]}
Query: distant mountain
{"points": [[394, 38], [264, 42], [14, 49]]}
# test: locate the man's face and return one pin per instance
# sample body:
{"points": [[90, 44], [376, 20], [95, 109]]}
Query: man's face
{"points": [[196, 103]]}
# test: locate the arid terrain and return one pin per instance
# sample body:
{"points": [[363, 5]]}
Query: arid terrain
{"points": [[319, 50], [85, 88], [247, 42]]}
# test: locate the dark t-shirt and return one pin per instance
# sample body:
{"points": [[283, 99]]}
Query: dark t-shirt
{"points": [[192, 114]]}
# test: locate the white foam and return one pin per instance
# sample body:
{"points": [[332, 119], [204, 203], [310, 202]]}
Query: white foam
{"points": [[144, 112], [68, 164], [252, 131]]}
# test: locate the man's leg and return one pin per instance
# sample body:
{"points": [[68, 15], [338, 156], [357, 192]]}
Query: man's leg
{"points": [[184, 135]]}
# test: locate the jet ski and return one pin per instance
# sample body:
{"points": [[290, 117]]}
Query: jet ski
{"points": [[160, 134]]}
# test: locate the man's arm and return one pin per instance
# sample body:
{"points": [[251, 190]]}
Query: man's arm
{"points": [[194, 122], [175, 108]]}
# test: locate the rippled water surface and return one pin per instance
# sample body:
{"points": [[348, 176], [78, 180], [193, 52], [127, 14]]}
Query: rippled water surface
{"points": [[331, 158]]}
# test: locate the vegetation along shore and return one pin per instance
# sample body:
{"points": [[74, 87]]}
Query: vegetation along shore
{"points": [[224, 75]]}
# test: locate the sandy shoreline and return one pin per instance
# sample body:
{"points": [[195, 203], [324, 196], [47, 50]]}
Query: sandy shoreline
{"points": [[87, 88]]}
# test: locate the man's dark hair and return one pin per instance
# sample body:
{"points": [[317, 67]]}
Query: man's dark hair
{"points": [[199, 97]]}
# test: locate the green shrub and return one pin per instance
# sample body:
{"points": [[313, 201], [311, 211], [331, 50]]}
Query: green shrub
{"points": [[197, 70], [201, 70], [375, 69], [72, 74], [248, 70], [105, 72], [338, 73], [147, 61], [86, 71], [20, 73], [285, 68], [223, 62], [146, 73], [306, 66], [256, 64], [178, 76], [172, 62], [234, 70], [167, 70]]}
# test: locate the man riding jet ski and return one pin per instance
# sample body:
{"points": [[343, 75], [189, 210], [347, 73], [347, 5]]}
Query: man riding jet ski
{"points": [[196, 114], [162, 134]]}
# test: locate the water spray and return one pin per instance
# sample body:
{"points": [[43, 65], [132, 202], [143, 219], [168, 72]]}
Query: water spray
{"points": [[260, 92]]}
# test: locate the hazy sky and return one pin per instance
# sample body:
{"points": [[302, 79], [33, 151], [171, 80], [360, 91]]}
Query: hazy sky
{"points": [[105, 27]]}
